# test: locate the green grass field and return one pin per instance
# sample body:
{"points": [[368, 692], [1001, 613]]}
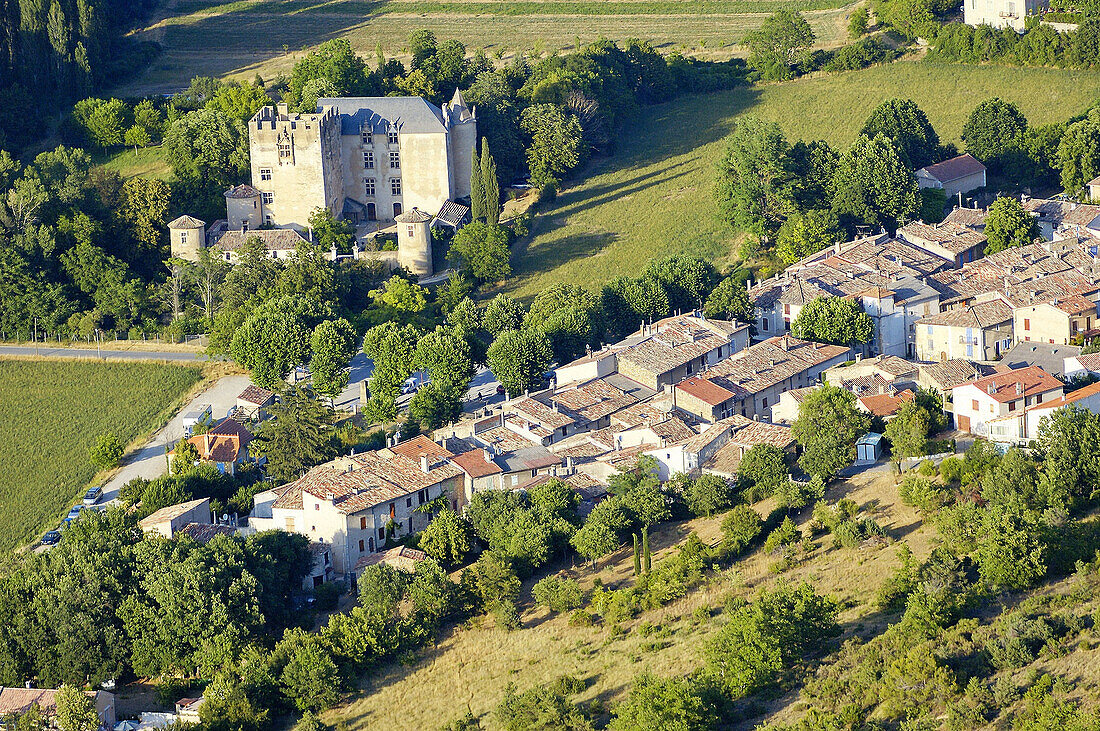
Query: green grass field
{"points": [[240, 39], [653, 197], [51, 412], [147, 162]]}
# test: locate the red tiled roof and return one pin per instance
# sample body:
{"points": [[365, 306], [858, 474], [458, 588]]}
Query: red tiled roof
{"points": [[20, 700], [955, 168], [205, 532], [420, 446], [1032, 380], [886, 404], [704, 390], [255, 395], [475, 465], [1065, 400]]}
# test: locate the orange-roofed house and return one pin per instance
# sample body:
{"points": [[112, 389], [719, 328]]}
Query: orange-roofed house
{"points": [[1023, 427], [15, 701], [978, 404], [224, 445]]}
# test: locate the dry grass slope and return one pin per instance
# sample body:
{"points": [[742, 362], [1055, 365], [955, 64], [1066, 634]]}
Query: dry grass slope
{"points": [[51, 411], [470, 667], [653, 197]]}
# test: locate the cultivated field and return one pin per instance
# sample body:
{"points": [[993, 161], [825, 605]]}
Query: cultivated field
{"points": [[654, 196], [241, 39], [51, 412], [470, 668]]}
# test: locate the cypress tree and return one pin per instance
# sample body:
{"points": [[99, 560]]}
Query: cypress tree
{"points": [[477, 188], [637, 556], [645, 549], [490, 184]]}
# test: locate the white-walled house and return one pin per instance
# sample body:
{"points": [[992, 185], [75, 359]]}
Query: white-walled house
{"points": [[1024, 426], [978, 403]]}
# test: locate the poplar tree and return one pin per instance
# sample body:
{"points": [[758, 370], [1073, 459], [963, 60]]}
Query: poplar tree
{"points": [[637, 557], [490, 185], [477, 188], [648, 557]]}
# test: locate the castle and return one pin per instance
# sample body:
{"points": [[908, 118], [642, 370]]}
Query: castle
{"points": [[363, 158]]}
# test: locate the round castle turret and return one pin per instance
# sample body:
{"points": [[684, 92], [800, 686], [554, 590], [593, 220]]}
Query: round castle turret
{"points": [[186, 235], [243, 207], [414, 242]]}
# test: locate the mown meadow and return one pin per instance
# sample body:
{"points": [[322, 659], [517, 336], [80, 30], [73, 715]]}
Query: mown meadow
{"points": [[653, 196], [51, 412]]}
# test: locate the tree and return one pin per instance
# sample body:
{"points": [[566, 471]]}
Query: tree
{"points": [[296, 437], [908, 431], [448, 538], [1008, 225], [185, 457], [1010, 551], [336, 62], [392, 347], [754, 176], [555, 147], [627, 302], [686, 280], [994, 133], [482, 250], [779, 44], [707, 495], [1078, 158], [502, 313], [858, 22], [239, 101], [75, 710], [763, 469], [137, 136], [103, 121], [805, 233], [333, 344], [835, 320], [106, 452], [674, 704], [400, 296], [518, 358], [311, 679], [827, 427], [208, 149], [271, 343], [905, 124], [329, 232], [873, 186], [740, 528], [477, 189], [600, 534], [495, 579], [729, 300], [491, 185]]}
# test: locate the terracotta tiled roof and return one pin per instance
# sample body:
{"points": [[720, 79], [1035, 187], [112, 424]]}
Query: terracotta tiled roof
{"points": [[676, 341], [765, 364], [541, 414], [205, 532], [1061, 213], [1070, 398], [1003, 386], [276, 239], [475, 465], [979, 315], [400, 557], [186, 222], [707, 391], [244, 190], [1075, 304], [420, 446], [972, 217], [171, 512], [951, 373], [953, 237], [20, 700], [885, 404], [1089, 361], [954, 169], [255, 395]]}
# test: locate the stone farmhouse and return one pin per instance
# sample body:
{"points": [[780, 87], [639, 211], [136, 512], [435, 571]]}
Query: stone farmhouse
{"points": [[960, 174]]}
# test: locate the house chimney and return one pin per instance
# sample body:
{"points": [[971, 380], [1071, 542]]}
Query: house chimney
{"points": [[487, 455], [1019, 388], [424, 464], [206, 445]]}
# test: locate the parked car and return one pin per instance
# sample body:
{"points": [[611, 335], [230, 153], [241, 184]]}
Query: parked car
{"points": [[92, 496], [74, 513], [51, 538]]}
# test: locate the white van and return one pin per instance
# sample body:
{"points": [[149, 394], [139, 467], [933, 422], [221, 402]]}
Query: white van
{"points": [[197, 415]]}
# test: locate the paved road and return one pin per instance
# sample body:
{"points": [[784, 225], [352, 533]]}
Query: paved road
{"points": [[92, 353], [149, 462], [482, 384]]}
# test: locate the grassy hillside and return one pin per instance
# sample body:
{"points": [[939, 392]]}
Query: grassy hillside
{"points": [[51, 412], [146, 162], [471, 667], [240, 39], [654, 196]]}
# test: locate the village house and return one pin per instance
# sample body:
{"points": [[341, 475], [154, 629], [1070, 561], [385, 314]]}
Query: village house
{"points": [[557, 413], [174, 518], [1084, 365], [972, 217], [253, 402], [790, 404], [224, 445], [943, 377], [960, 174], [889, 368], [17, 701], [885, 405], [1055, 215], [356, 503], [978, 404], [1054, 309], [1024, 426], [955, 242], [1051, 358], [751, 383], [719, 448], [203, 533], [1002, 13], [321, 568], [401, 558], [979, 331]]}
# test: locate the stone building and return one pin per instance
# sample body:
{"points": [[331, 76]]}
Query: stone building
{"points": [[1001, 13], [363, 158]]}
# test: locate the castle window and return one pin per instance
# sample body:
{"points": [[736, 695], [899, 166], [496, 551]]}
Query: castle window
{"points": [[265, 173], [227, 258], [392, 137], [183, 237], [368, 138], [368, 186], [409, 231], [395, 159], [395, 186], [368, 160], [268, 197], [284, 150]]}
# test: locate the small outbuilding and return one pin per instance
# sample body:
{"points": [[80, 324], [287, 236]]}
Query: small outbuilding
{"points": [[960, 174], [869, 448]]}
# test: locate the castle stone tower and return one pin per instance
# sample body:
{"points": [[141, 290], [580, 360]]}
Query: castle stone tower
{"points": [[187, 235], [462, 128], [243, 207], [414, 242]]}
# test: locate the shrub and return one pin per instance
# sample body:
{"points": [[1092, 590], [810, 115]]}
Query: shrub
{"points": [[506, 614], [106, 452], [896, 588], [740, 528], [785, 535], [582, 618], [952, 469], [920, 493], [327, 596], [558, 594], [927, 468]]}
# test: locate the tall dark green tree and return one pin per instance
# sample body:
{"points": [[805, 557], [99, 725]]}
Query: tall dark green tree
{"points": [[296, 437]]}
